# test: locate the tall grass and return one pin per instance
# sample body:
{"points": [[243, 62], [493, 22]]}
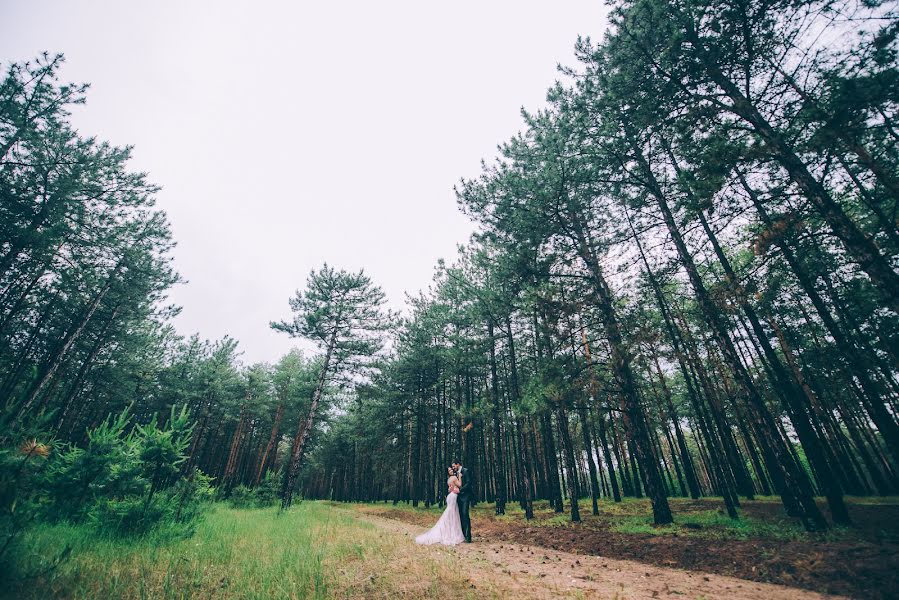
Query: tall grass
{"points": [[311, 551]]}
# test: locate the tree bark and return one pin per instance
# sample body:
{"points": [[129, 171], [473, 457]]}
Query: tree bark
{"points": [[499, 467], [796, 482], [305, 429], [272, 441]]}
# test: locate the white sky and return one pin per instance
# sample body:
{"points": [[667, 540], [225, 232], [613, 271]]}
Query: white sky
{"points": [[287, 134]]}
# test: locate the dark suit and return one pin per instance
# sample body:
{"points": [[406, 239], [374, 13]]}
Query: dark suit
{"points": [[465, 500]]}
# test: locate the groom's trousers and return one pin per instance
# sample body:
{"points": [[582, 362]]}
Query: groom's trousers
{"points": [[464, 505]]}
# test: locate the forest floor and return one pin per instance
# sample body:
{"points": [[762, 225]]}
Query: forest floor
{"points": [[334, 550], [765, 546], [536, 572]]}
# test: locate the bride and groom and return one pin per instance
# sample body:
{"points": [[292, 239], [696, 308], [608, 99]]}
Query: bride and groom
{"points": [[454, 525]]}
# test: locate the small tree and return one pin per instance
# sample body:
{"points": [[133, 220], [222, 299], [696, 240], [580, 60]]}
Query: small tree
{"points": [[162, 451], [343, 314]]}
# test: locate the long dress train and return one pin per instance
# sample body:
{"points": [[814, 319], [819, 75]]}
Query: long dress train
{"points": [[448, 529]]}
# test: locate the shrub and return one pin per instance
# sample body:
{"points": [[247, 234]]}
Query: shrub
{"points": [[265, 494], [22, 466], [269, 490], [242, 497], [108, 468], [190, 496], [128, 480]]}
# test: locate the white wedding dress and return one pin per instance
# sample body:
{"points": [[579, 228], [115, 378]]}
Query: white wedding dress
{"points": [[448, 530]]}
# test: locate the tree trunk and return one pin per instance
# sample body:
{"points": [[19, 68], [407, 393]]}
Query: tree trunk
{"points": [[881, 417], [689, 472], [861, 247], [272, 441], [796, 482], [499, 467], [305, 429], [632, 412], [67, 342]]}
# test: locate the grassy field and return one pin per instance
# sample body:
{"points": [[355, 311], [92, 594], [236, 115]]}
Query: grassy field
{"points": [[312, 551]]}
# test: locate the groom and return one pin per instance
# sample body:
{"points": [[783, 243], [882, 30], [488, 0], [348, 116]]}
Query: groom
{"points": [[466, 498]]}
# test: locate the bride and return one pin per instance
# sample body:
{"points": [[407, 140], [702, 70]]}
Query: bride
{"points": [[448, 530]]}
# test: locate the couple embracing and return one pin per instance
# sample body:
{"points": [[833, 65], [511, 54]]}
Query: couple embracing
{"points": [[454, 525]]}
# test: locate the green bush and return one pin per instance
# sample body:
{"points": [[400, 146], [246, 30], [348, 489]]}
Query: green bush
{"points": [[128, 480], [190, 496], [265, 494], [80, 479], [23, 463], [242, 497], [269, 490]]}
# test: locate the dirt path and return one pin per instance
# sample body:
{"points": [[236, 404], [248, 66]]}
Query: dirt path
{"points": [[534, 572]]}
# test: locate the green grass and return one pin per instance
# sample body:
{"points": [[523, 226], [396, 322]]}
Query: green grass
{"points": [[711, 523], [312, 551], [634, 516], [628, 517], [873, 500]]}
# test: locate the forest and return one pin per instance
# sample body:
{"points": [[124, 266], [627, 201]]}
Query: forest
{"points": [[683, 288]]}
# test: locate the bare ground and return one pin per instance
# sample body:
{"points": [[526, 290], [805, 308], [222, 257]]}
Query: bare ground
{"points": [[517, 570], [860, 562]]}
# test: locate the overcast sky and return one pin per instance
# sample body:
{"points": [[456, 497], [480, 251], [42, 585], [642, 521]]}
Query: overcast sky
{"points": [[287, 134]]}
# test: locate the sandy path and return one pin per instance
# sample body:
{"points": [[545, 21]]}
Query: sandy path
{"points": [[534, 572]]}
